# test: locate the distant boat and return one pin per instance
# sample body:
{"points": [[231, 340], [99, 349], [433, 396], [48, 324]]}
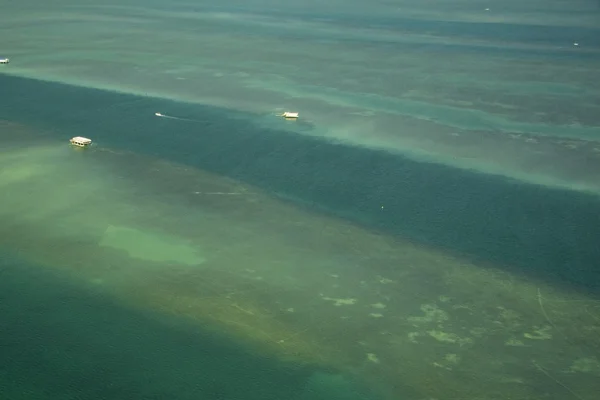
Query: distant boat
{"points": [[289, 115], [80, 141], [4, 60]]}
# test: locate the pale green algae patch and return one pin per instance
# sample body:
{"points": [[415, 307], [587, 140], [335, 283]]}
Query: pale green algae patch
{"points": [[151, 246], [13, 175], [589, 365], [20, 167], [539, 333]]}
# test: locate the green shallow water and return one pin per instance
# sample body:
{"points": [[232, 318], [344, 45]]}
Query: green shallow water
{"points": [[207, 286], [74, 243], [426, 230], [348, 181], [63, 342]]}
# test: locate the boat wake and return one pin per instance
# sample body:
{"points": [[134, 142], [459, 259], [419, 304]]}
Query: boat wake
{"points": [[177, 118]]}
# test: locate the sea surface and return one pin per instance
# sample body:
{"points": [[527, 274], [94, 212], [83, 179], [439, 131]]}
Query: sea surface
{"points": [[427, 229]]}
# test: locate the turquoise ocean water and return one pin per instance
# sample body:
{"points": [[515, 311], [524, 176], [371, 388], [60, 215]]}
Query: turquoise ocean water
{"points": [[544, 231], [426, 230], [65, 341]]}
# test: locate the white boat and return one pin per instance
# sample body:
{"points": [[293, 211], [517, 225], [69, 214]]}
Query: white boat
{"points": [[289, 115], [80, 141], [4, 60]]}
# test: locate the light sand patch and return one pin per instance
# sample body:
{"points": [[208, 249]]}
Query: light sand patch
{"points": [[448, 337], [341, 302], [412, 336], [589, 365], [539, 333], [373, 358], [385, 281], [20, 173], [478, 331], [452, 358], [23, 165], [151, 246], [514, 342], [431, 313]]}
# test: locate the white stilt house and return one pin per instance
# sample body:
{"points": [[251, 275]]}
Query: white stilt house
{"points": [[80, 141], [289, 115]]}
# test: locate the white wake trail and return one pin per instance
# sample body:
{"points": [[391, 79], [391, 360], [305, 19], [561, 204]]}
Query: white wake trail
{"points": [[177, 118]]}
